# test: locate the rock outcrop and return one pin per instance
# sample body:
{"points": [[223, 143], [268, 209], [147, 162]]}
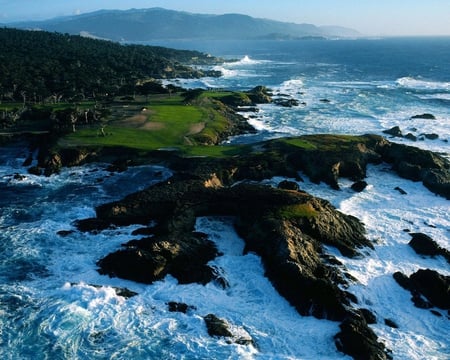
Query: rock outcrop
{"points": [[359, 341], [425, 245], [287, 228], [428, 288]]}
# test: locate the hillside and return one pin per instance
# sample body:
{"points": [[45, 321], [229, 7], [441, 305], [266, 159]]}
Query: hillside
{"points": [[160, 24], [37, 64]]}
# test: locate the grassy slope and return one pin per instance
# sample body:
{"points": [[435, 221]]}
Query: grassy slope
{"points": [[167, 123]]}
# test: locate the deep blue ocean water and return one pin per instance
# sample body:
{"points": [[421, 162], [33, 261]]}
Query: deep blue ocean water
{"points": [[50, 310]]}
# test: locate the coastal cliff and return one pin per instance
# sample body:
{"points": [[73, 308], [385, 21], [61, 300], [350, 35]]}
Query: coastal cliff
{"points": [[285, 226]]}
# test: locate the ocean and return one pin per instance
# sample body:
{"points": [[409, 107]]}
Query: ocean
{"points": [[54, 304]]}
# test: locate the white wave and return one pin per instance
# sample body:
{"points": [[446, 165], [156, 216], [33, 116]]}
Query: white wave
{"points": [[419, 84], [293, 87], [438, 96], [245, 61], [227, 72]]}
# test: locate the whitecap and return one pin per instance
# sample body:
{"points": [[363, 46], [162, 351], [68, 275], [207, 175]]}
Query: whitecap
{"points": [[420, 84]]}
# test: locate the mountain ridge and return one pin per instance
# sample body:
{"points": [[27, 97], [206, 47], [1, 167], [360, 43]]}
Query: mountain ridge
{"points": [[162, 24]]}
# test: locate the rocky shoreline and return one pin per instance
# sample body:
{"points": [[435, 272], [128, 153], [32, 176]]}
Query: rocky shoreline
{"points": [[285, 226]]}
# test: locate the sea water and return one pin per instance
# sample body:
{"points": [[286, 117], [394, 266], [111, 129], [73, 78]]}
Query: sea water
{"points": [[54, 304]]}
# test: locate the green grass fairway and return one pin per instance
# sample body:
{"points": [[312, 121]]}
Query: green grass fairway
{"points": [[161, 122]]}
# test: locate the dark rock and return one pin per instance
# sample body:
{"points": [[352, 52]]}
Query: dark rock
{"points": [[146, 231], [411, 137], [428, 283], [436, 313], [53, 164], [359, 186], [19, 177], [437, 181], [368, 316], [28, 161], [64, 233], [424, 116], [359, 341], [394, 131], [92, 225], [425, 245], [403, 281], [133, 264], [288, 185], [390, 323], [434, 286], [180, 307], [120, 291], [260, 95], [124, 292], [419, 165], [400, 190], [217, 326], [119, 165], [289, 245], [419, 301], [151, 259], [431, 136], [221, 328], [35, 170], [333, 157], [286, 102]]}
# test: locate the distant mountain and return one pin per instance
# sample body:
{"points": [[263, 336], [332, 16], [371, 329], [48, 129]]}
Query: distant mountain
{"points": [[162, 24]]}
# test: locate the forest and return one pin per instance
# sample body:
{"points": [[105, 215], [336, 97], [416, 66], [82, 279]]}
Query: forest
{"points": [[41, 67]]}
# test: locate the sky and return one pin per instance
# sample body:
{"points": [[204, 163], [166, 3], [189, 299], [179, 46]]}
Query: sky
{"points": [[370, 17]]}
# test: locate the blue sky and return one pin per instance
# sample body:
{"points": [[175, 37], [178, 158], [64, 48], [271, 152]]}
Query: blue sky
{"points": [[371, 17]]}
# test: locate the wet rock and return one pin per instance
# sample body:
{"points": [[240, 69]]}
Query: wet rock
{"points": [[92, 225], [425, 245], [53, 164], [145, 261], [394, 131], [28, 161], [288, 185], [368, 316], [217, 326], [411, 137], [35, 170], [425, 116], [221, 328], [146, 231], [65, 233], [19, 177], [359, 186], [286, 228], [391, 323], [286, 102], [124, 292], [180, 307], [429, 284], [419, 165], [119, 165], [437, 181], [359, 341], [400, 190], [434, 286], [260, 95], [431, 136]]}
